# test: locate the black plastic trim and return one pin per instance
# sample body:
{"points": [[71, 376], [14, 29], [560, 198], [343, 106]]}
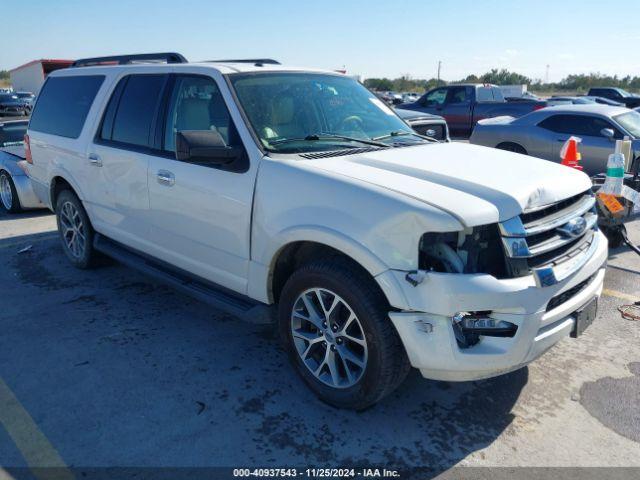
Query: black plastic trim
{"points": [[167, 57], [204, 290]]}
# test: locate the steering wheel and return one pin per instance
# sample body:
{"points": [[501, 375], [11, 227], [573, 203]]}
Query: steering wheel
{"points": [[351, 123]]}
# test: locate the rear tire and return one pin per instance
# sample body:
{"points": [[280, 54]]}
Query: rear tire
{"points": [[512, 147], [368, 358], [8, 194], [75, 230]]}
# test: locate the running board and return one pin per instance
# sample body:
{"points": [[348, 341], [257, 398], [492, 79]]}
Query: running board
{"points": [[235, 304]]}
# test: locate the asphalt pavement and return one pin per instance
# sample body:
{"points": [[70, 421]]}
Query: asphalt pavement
{"points": [[104, 367]]}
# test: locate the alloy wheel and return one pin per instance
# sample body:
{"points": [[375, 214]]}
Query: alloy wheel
{"points": [[6, 195], [329, 338], [73, 230]]}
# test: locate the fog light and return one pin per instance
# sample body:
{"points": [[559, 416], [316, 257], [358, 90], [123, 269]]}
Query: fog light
{"points": [[468, 326]]}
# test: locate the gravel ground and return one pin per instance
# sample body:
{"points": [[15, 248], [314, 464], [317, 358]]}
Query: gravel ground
{"points": [[115, 370]]}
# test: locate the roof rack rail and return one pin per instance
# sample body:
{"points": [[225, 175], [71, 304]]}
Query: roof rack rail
{"points": [[166, 57], [257, 61]]}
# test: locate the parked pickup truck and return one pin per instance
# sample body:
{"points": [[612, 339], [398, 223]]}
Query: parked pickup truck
{"points": [[616, 94], [463, 105], [249, 184]]}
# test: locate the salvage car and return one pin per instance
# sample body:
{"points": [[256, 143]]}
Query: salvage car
{"points": [[28, 98], [249, 184], [542, 133], [10, 104], [564, 100], [464, 105], [16, 192], [603, 101], [433, 126], [617, 94]]}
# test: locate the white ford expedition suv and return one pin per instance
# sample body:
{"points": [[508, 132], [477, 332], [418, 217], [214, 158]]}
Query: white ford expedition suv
{"points": [[249, 184]]}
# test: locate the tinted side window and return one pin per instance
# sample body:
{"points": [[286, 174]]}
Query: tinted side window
{"points": [[64, 103], [558, 124], [436, 97], [577, 125], [458, 95], [136, 110]]}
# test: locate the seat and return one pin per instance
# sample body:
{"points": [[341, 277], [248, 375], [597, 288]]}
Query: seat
{"points": [[283, 124], [193, 114]]}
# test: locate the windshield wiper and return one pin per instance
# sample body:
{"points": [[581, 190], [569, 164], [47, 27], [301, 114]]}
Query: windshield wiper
{"points": [[329, 136], [400, 133]]}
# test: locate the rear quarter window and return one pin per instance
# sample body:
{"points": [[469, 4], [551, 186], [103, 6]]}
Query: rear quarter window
{"points": [[63, 105]]}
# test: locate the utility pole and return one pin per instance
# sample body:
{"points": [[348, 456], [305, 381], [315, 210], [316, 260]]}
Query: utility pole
{"points": [[439, 65], [546, 76]]}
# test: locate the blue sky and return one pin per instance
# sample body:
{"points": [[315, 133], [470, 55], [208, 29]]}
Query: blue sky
{"points": [[368, 38]]}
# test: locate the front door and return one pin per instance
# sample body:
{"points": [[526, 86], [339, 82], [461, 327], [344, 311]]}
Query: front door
{"points": [[200, 215]]}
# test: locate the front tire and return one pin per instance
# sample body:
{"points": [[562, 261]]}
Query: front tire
{"points": [[75, 230], [8, 194], [333, 322]]}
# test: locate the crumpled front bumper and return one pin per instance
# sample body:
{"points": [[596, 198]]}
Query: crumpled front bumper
{"points": [[425, 324]]}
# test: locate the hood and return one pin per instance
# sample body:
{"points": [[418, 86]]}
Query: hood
{"points": [[502, 120], [477, 185], [414, 115], [11, 103]]}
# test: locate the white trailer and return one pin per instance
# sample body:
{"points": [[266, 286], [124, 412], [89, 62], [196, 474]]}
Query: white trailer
{"points": [[514, 91], [31, 76]]}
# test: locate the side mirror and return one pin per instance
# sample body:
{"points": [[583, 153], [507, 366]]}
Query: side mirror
{"points": [[608, 133], [204, 146]]}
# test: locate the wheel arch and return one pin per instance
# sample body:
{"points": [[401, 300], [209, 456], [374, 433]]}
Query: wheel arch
{"points": [[502, 145], [58, 184], [304, 245]]}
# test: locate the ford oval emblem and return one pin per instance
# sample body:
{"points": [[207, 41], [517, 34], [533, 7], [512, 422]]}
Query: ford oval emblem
{"points": [[431, 132], [573, 228]]}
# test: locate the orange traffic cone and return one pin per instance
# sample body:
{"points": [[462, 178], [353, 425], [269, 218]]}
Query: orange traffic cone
{"points": [[569, 153]]}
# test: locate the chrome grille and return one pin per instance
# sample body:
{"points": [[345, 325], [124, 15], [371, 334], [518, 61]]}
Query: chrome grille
{"points": [[545, 237], [431, 130]]}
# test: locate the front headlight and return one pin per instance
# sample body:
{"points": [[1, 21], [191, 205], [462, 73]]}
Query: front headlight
{"points": [[473, 250]]}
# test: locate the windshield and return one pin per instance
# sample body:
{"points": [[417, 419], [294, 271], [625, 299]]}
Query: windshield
{"points": [[630, 121], [306, 112]]}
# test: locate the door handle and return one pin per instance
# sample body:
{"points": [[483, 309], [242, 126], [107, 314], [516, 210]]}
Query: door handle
{"points": [[95, 160], [166, 178]]}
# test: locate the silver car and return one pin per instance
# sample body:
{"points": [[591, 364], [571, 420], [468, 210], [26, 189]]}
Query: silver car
{"points": [[16, 192], [543, 132]]}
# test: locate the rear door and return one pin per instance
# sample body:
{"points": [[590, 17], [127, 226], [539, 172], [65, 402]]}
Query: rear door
{"points": [[457, 109], [200, 214], [119, 159]]}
